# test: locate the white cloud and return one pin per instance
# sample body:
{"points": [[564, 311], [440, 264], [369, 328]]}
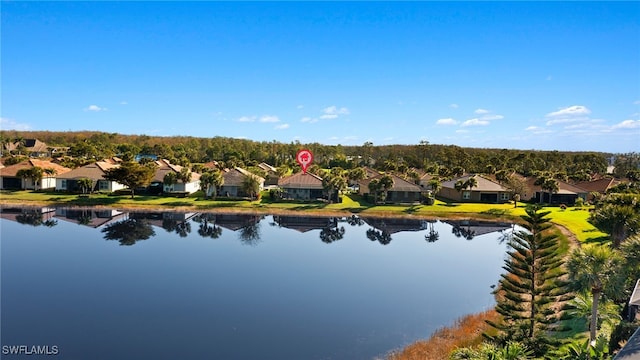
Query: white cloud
{"points": [[269, 119], [627, 124], [475, 122], [123, 103], [247, 119], [307, 119], [300, 107], [549, 78], [453, 106], [334, 110], [571, 111], [637, 102], [11, 124], [462, 131], [282, 126], [481, 111], [538, 130], [328, 116], [447, 121], [491, 117], [95, 108]]}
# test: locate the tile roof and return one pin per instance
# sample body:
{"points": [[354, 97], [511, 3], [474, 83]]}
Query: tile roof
{"points": [[94, 171], [12, 170], [301, 181], [484, 184], [236, 176]]}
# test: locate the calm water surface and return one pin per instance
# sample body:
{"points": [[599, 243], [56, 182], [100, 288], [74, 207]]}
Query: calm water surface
{"points": [[115, 285]]}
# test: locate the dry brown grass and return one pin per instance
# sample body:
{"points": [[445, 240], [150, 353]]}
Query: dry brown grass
{"points": [[467, 331]]}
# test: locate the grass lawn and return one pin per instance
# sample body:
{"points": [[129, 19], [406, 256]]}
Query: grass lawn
{"points": [[574, 219]]}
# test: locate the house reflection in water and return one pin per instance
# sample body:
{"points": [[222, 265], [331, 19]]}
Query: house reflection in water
{"points": [[469, 229], [305, 223], [328, 226], [94, 218], [170, 221], [35, 216]]}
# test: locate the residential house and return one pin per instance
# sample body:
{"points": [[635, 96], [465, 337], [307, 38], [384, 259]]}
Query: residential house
{"points": [[402, 190], [486, 191], [424, 181], [95, 172], [165, 167], [29, 147], [234, 180], [272, 174], [302, 186], [567, 194], [9, 178], [600, 186]]}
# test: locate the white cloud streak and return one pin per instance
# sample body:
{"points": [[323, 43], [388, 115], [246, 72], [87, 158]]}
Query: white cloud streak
{"points": [[571, 111], [269, 119], [447, 121], [282, 126], [475, 122], [11, 124], [95, 108], [627, 124]]}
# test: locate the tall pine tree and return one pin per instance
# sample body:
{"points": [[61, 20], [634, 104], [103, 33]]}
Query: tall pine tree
{"points": [[533, 292]]}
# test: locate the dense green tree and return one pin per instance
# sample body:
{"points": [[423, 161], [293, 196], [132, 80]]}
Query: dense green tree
{"points": [[619, 221], [131, 175], [488, 351], [532, 294], [385, 183], [596, 269]]}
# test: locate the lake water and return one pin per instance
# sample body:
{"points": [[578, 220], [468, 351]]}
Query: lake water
{"points": [[110, 284]]}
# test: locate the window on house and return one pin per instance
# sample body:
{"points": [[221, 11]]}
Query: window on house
{"points": [[103, 185], [505, 196], [466, 195], [64, 184]]}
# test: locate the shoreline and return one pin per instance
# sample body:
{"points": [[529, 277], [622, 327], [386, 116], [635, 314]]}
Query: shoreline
{"points": [[267, 210]]}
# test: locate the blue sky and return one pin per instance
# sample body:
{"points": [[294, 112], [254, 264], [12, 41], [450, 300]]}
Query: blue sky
{"points": [[525, 75]]}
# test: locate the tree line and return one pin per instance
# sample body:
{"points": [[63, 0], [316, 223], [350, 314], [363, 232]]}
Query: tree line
{"points": [[445, 160]]}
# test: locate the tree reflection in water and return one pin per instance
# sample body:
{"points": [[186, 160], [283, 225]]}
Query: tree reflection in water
{"points": [[332, 233], [433, 235], [35, 218], [207, 226], [129, 231], [182, 228], [355, 221], [250, 233], [381, 236]]}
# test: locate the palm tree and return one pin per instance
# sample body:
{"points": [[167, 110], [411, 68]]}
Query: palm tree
{"points": [[435, 185], [597, 269], [34, 173], [617, 220], [211, 180], [170, 179], [251, 186], [385, 183], [184, 175], [85, 184], [374, 187]]}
